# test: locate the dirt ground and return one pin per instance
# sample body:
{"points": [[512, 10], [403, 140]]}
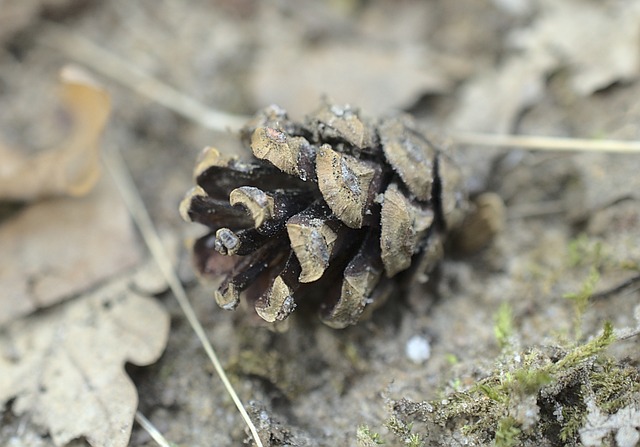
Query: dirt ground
{"points": [[503, 66]]}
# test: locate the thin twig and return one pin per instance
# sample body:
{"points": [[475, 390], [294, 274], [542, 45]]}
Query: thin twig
{"points": [[113, 67], [546, 143], [128, 190], [152, 430]]}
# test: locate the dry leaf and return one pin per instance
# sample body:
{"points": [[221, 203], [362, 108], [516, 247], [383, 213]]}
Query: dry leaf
{"points": [[376, 79], [492, 101], [366, 59], [65, 367], [598, 42], [73, 167], [56, 248]]}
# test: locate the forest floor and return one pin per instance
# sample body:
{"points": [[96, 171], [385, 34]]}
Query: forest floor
{"points": [[504, 347]]}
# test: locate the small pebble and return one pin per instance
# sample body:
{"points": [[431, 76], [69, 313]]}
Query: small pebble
{"points": [[418, 349]]}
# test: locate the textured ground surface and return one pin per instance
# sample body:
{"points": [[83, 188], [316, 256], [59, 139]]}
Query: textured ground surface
{"points": [[515, 66]]}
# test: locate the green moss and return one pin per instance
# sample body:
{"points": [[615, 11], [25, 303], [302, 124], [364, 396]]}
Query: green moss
{"points": [[585, 351], [484, 410], [544, 380], [414, 440], [614, 386], [524, 380], [573, 420], [492, 391], [507, 433], [581, 298], [584, 251], [403, 432], [503, 327], [366, 438], [529, 381]]}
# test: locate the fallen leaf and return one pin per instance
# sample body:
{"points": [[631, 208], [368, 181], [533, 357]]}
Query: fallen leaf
{"points": [[55, 248], [493, 100], [597, 42], [72, 168], [377, 79], [65, 366], [364, 59]]}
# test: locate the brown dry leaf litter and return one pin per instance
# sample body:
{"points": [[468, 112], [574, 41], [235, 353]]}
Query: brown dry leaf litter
{"points": [[65, 366], [55, 248], [573, 35], [380, 65], [72, 168]]}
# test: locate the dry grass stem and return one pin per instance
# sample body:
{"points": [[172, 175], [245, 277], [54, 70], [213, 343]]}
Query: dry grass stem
{"points": [[152, 430], [546, 143], [117, 168], [110, 65]]}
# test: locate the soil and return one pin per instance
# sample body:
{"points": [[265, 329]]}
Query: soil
{"points": [[312, 385]]}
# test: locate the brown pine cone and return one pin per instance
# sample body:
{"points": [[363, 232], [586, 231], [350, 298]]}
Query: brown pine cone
{"points": [[328, 212]]}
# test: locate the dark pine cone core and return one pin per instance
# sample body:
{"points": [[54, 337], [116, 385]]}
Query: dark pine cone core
{"points": [[328, 212]]}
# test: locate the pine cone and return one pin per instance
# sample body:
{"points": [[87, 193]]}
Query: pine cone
{"points": [[329, 211]]}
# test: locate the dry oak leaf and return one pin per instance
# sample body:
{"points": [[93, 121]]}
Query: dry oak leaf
{"points": [[55, 248], [72, 168], [64, 366]]}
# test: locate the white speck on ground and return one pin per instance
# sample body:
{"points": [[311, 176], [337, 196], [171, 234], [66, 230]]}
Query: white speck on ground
{"points": [[418, 349]]}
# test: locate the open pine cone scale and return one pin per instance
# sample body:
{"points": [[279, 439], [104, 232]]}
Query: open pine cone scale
{"points": [[328, 212]]}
